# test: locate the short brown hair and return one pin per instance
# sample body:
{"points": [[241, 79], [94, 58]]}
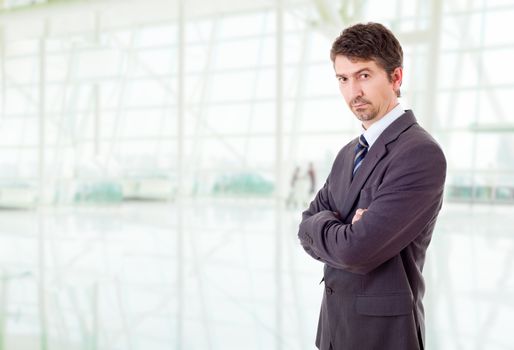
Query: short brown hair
{"points": [[370, 41]]}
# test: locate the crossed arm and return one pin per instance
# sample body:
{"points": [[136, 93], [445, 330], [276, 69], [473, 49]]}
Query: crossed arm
{"points": [[404, 205]]}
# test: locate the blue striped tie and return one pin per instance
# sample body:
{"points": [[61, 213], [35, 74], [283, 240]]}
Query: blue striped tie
{"points": [[360, 152]]}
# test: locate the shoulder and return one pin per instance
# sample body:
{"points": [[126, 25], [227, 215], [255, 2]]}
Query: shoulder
{"points": [[415, 151], [347, 149], [349, 146], [341, 159], [417, 141]]}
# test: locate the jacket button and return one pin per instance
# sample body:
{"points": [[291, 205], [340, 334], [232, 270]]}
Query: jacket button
{"points": [[329, 290]]}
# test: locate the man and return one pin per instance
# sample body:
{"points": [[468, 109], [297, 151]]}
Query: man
{"points": [[372, 221]]}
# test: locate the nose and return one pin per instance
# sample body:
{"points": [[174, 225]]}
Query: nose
{"points": [[355, 89]]}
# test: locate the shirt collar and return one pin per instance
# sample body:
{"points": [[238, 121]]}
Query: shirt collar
{"points": [[373, 132]]}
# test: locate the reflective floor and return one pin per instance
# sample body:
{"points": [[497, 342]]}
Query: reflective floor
{"points": [[225, 274]]}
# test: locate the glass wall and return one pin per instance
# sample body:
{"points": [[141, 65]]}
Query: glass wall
{"points": [[101, 250]]}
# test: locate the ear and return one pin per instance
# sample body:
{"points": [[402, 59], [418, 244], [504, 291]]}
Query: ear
{"points": [[396, 78]]}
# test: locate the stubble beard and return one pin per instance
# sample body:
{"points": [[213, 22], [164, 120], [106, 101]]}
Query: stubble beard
{"points": [[365, 114]]}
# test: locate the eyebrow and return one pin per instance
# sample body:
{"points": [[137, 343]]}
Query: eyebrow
{"points": [[355, 73]]}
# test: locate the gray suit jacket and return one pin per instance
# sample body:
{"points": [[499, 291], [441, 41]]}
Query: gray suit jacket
{"points": [[373, 282]]}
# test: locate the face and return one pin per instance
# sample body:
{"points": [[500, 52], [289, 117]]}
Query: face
{"points": [[366, 88]]}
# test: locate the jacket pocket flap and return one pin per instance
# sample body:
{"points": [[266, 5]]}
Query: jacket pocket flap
{"points": [[384, 305]]}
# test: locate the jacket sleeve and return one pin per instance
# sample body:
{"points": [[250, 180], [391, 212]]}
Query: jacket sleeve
{"points": [[319, 204], [405, 203]]}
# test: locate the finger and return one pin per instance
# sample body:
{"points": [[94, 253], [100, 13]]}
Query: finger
{"points": [[361, 211]]}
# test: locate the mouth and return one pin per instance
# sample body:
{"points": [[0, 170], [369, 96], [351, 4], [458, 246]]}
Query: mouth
{"points": [[359, 105]]}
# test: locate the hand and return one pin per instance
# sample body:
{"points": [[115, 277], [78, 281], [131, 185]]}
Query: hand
{"points": [[358, 215]]}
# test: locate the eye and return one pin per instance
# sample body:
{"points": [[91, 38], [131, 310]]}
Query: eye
{"points": [[342, 79], [364, 76]]}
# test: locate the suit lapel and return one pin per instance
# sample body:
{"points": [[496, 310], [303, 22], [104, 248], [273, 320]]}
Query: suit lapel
{"points": [[348, 165], [375, 154]]}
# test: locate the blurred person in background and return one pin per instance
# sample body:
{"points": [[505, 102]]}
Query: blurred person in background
{"points": [[292, 198], [312, 177], [372, 221]]}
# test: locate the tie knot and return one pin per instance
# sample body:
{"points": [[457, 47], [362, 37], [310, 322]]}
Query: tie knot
{"points": [[362, 142], [361, 149]]}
